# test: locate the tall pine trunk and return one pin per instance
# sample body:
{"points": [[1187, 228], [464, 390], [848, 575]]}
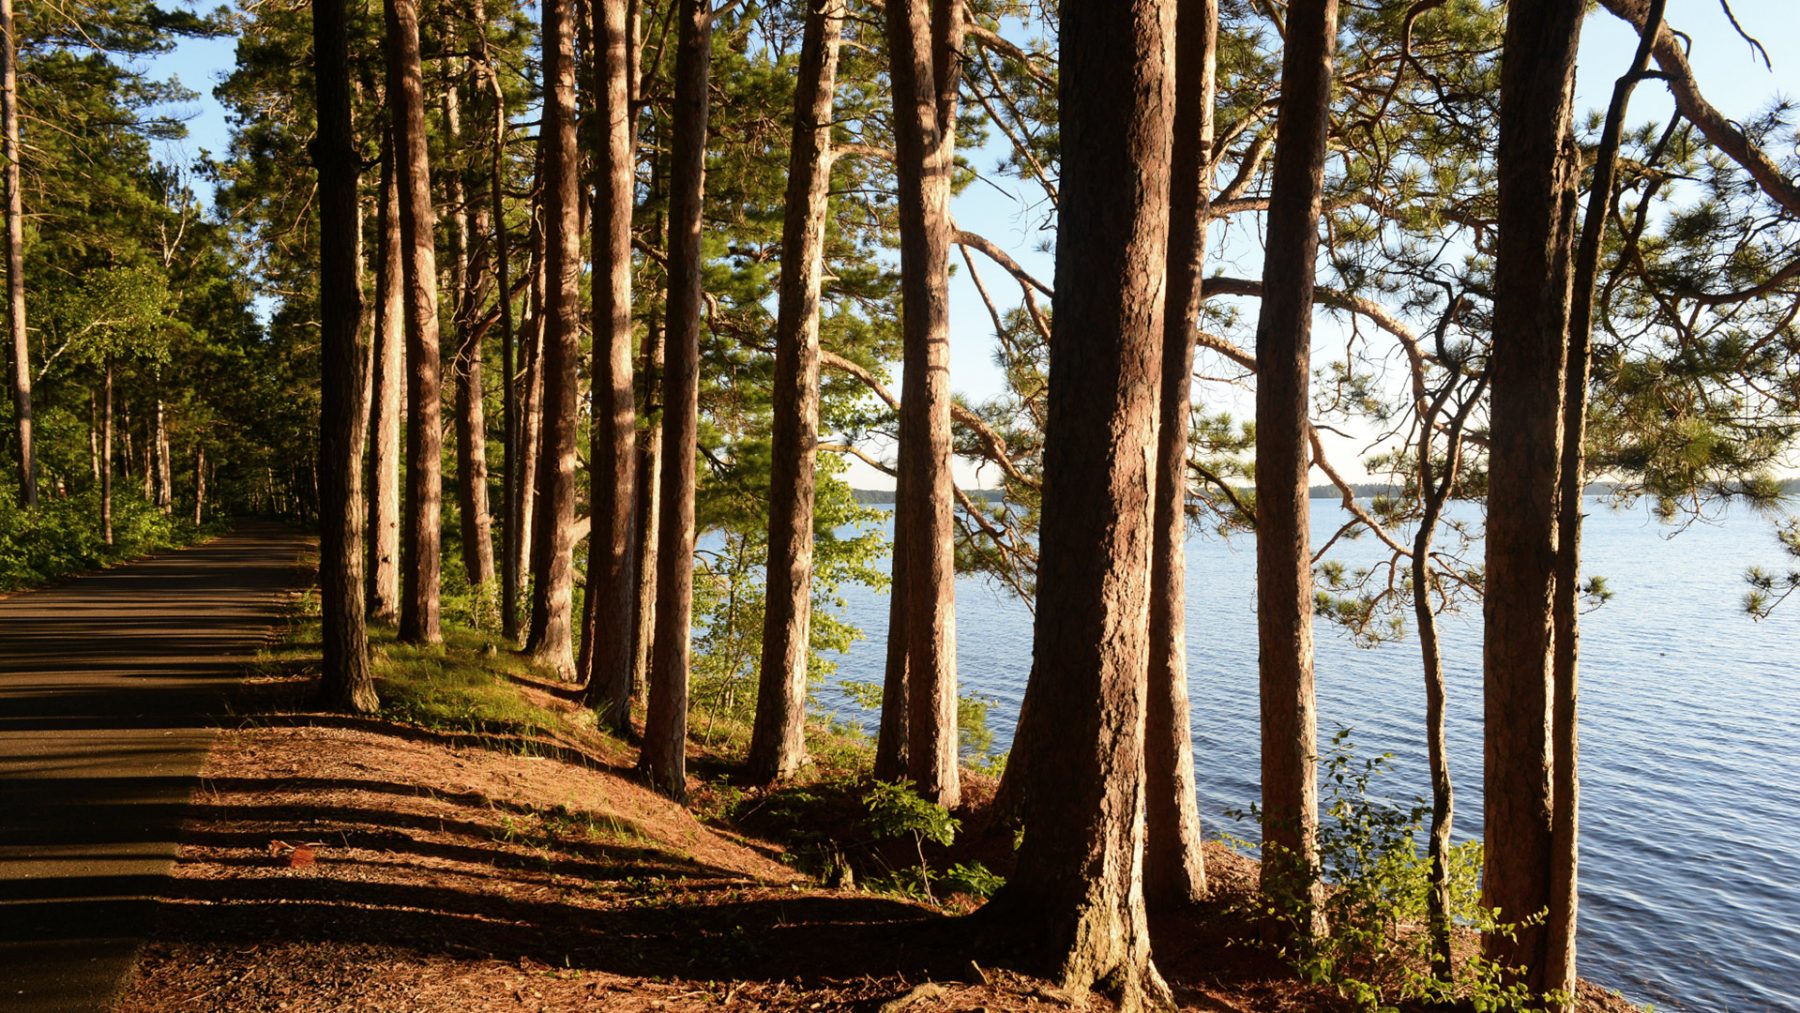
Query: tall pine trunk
{"points": [[471, 413], [1531, 321], [15, 255], [924, 43], [1290, 794], [419, 620], [664, 758], [612, 495], [550, 640], [1174, 864], [345, 681], [1077, 895], [778, 740], [199, 485], [386, 389]]}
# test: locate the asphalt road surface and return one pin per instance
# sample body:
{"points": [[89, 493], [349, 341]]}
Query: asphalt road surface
{"points": [[111, 686]]}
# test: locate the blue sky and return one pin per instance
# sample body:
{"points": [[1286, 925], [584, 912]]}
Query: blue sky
{"points": [[1012, 214]]}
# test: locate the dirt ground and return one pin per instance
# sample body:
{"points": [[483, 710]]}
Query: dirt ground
{"points": [[370, 868]]}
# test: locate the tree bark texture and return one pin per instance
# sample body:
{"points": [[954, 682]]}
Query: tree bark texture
{"points": [[345, 681], [778, 739], [1283, 459], [386, 390], [550, 641], [15, 255], [419, 619], [612, 495], [664, 758], [1078, 889], [471, 409], [1530, 324], [924, 39], [1174, 863]]}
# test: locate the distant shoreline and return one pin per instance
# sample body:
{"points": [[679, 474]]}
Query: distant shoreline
{"points": [[1790, 487]]}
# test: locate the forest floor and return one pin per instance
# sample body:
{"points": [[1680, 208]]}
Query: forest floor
{"points": [[454, 861]]}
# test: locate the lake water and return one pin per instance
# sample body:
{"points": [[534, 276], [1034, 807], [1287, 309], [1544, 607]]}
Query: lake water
{"points": [[1690, 865]]}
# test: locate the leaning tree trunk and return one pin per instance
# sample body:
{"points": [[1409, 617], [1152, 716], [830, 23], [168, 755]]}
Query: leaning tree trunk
{"points": [[386, 389], [1572, 474], [550, 638], [1283, 554], [345, 681], [471, 414], [664, 759], [15, 255], [1531, 319], [778, 739], [1174, 863], [419, 620], [924, 40], [612, 495], [1078, 893]]}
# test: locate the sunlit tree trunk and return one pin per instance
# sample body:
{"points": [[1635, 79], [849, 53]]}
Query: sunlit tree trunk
{"points": [[1537, 173], [1283, 457], [550, 640], [386, 390], [1077, 895], [778, 740], [419, 620], [664, 759], [15, 255], [612, 495], [345, 681], [1174, 864], [106, 452], [199, 486], [924, 44]]}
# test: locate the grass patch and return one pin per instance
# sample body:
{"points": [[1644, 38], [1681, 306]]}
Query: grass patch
{"points": [[457, 685]]}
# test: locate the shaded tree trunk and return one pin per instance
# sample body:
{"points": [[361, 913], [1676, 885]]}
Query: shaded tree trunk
{"points": [[893, 752], [1530, 324], [471, 413], [345, 681], [1077, 895], [419, 620], [664, 760], [386, 389], [1174, 864], [1283, 457], [778, 740], [924, 43], [647, 512], [550, 638], [612, 495]]}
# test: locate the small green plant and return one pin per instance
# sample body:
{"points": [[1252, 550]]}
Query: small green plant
{"points": [[974, 879], [895, 810], [1369, 890]]}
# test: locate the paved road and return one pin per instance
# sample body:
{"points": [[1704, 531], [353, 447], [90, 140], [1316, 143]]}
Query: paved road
{"points": [[108, 687]]}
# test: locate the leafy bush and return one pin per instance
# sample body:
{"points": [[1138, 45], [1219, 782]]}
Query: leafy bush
{"points": [[62, 536], [895, 810], [1372, 882]]}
